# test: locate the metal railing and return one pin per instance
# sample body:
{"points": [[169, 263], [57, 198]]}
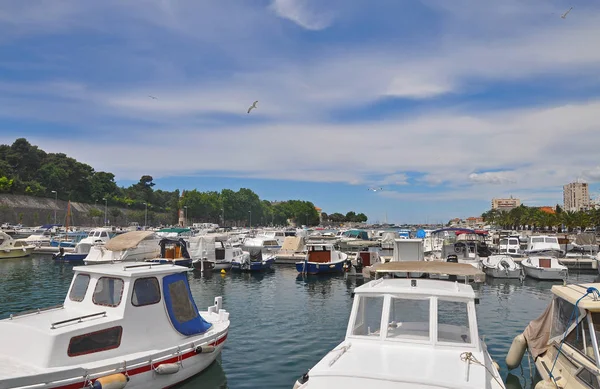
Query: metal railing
{"points": [[78, 319], [37, 311]]}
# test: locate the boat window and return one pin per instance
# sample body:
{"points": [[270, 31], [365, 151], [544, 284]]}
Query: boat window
{"points": [[551, 240], [513, 242], [368, 316], [145, 292], [108, 292], [503, 242], [581, 341], [104, 234], [94, 342], [182, 305], [589, 378], [537, 240], [79, 287], [453, 322], [409, 318], [562, 317]]}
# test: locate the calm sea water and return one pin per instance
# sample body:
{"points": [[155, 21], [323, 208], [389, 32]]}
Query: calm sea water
{"points": [[281, 325]]}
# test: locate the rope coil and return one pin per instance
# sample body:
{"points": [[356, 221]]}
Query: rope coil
{"points": [[468, 357]]}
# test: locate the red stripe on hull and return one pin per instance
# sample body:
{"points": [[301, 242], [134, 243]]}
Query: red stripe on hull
{"points": [[144, 369]]}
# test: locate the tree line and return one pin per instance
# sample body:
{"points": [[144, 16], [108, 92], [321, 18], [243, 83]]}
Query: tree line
{"points": [[26, 169], [535, 218]]}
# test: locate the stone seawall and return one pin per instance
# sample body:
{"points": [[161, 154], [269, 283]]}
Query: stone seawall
{"points": [[34, 211]]}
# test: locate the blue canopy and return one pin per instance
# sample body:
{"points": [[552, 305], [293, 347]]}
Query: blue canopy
{"points": [[181, 306], [421, 234]]}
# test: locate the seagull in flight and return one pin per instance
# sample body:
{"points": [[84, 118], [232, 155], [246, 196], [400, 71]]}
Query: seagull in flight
{"points": [[564, 16], [375, 189], [252, 106], [152, 97]]}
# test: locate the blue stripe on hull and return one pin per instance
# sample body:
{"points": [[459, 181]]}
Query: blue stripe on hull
{"points": [[320, 268], [70, 257]]}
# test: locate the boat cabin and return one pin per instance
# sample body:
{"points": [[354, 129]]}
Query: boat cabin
{"points": [[110, 310], [509, 245], [421, 312], [543, 243], [319, 252]]}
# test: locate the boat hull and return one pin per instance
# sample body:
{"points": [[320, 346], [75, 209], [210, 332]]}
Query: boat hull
{"points": [[222, 265], [142, 375], [320, 268], [501, 273], [70, 257], [545, 274], [16, 253]]}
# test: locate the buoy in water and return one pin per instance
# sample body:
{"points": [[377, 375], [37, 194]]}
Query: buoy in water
{"points": [[113, 381], [167, 368], [516, 352], [223, 271]]}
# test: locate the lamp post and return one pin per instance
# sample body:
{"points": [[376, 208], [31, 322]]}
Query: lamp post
{"points": [[127, 216], [307, 220], [146, 216], [250, 218], [55, 201], [223, 216], [105, 210], [185, 215]]}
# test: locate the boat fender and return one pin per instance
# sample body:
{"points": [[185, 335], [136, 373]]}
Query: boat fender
{"points": [[205, 349], [301, 381], [113, 381], [167, 368], [516, 352], [496, 365]]}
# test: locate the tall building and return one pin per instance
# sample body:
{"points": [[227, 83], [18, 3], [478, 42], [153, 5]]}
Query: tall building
{"points": [[576, 196], [505, 204]]}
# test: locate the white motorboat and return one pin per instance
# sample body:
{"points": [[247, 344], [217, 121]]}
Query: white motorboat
{"points": [[267, 245], [544, 268], [563, 341], [216, 249], [133, 326], [127, 247], [11, 248], [544, 245], [364, 260], [501, 266], [408, 333], [97, 236]]}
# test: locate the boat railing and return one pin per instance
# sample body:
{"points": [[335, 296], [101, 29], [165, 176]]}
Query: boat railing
{"points": [[35, 311], [76, 374], [77, 319], [148, 265]]}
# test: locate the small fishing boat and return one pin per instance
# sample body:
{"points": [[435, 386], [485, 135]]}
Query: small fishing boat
{"points": [[11, 248], [501, 266], [362, 261], [253, 260], [216, 251], [544, 268], [408, 333], [563, 341], [174, 251], [133, 326], [322, 258]]}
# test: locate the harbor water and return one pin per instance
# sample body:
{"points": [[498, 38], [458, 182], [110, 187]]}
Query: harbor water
{"points": [[282, 324]]}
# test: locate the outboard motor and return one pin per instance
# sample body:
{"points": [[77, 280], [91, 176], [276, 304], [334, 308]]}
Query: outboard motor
{"points": [[60, 254], [452, 258], [359, 265]]}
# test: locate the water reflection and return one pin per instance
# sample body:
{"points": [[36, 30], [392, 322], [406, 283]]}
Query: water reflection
{"points": [[213, 377]]}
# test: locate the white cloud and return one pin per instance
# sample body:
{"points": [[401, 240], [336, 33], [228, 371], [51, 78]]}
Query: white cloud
{"points": [[496, 178], [592, 174], [303, 13]]}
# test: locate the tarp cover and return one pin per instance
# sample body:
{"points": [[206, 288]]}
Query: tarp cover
{"points": [[435, 267], [127, 240], [421, 234], [255, 254], [292, 244], [537, 332], [585, 239]]}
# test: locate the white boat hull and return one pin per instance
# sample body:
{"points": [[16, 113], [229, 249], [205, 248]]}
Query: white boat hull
{"points": [[16, 252], [222, 265], [545, 273], [502, 273]]}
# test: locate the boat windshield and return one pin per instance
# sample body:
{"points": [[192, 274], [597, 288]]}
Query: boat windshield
{"points": [[408, 319]]}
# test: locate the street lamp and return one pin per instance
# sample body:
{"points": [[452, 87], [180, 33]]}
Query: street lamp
{"points": [[185, 211], [55, 205], [105, 210], [250, 218], [223, 216], [307, 220], [146, 216]]}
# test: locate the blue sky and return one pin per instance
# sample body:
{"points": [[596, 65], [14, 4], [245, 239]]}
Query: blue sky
{"points": [[445, 104]]}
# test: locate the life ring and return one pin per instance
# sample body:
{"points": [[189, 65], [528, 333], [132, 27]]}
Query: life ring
{"points": [[458, 249]]}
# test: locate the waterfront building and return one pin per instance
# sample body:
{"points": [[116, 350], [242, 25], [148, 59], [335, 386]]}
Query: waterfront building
{"points": [[576, 196], [505, 204]]}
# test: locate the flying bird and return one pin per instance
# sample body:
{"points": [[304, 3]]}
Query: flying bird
{"points": [[152, 97], [375, 189], [252, 106], [564, 16]]}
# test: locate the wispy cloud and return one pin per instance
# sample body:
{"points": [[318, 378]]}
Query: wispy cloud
{"points": [[303, 13]]}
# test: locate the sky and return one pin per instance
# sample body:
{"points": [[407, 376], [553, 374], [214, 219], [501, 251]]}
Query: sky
{"points": [[443, 104]]}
